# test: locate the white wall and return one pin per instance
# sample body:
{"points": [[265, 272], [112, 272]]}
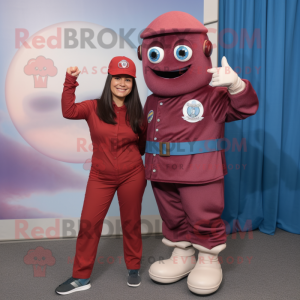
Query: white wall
{"points": [[211, 17]]}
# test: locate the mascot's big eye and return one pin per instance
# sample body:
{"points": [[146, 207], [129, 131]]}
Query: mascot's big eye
{"points": [[183, 53], [156, 54]]}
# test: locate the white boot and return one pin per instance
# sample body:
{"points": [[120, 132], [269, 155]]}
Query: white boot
{"points": [[207, 275], [177, 266]]}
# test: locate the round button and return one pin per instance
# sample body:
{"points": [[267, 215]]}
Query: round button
{"points": [[158, 120], [155, 139], [161, 103], [154, 154], [154, 170], [156, 129]]}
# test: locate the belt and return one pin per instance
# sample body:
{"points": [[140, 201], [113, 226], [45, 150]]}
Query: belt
{"points": [[184, 148]]}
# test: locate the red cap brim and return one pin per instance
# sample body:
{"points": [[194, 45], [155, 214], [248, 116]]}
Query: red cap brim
{"points": [[119, 72]]}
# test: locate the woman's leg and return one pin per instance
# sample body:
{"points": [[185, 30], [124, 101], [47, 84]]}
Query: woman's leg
{"points": [[130, 195], [98, 197]]}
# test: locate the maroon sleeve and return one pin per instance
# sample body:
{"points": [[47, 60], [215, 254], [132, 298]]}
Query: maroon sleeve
{"points": [[227, 108], [70, 109], [143, 134], [143, 138]]}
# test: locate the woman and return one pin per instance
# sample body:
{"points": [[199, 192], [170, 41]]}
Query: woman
{"points": [[118, 135]]}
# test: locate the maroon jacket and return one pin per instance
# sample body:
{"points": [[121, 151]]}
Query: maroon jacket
{"points": [[116, 148], [168, 125]]}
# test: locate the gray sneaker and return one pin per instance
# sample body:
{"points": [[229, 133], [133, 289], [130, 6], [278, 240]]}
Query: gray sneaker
{"points": [[134, 278], [71, 285]]}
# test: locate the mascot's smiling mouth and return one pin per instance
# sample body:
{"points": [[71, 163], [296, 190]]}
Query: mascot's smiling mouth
{"points": [[171, 74]]}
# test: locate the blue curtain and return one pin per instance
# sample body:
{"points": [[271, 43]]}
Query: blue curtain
{"points": [[261, 41]]}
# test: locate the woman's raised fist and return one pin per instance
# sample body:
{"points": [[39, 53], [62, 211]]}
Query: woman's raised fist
{"points": [[74, 71]]}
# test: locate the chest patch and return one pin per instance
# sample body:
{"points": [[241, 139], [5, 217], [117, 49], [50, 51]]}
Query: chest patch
{"points": [[193, 111], [150, 116]]}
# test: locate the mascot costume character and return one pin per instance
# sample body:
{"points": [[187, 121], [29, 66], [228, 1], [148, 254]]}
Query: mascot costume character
{"points": [[185, 153]]}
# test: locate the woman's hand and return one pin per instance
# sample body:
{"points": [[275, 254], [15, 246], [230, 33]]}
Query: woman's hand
{"points": [[74, 71]]}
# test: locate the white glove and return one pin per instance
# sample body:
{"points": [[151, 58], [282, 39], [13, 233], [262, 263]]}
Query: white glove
{"points": [[225, 76]]}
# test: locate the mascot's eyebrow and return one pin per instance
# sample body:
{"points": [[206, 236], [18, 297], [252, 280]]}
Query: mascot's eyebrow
{"points": [[156, 44], [183, 42]]}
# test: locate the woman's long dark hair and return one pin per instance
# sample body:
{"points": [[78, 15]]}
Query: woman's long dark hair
{"points": [[134, 113]]}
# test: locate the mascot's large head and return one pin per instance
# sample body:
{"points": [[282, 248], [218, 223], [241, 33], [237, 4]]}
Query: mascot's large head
{"points": [[176, 54]]}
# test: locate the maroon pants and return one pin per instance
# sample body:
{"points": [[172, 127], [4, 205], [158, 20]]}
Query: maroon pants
{"points": [[99, 194], [192, 212]]}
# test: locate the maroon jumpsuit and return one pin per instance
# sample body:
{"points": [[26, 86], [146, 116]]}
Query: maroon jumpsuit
{"points": [[116, 166]]}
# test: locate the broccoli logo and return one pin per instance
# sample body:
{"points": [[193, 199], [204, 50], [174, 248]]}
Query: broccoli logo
{"points": [[39, 258], [40, 68]]}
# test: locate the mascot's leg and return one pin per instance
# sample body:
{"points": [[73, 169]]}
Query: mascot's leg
{"points": [[175, 230], [207, 276], [203, 205], [177, 266]]}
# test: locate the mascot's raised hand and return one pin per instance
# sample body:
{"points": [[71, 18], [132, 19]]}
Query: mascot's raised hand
{"points": [[225, 76]]}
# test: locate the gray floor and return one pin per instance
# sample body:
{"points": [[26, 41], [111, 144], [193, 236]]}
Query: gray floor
{"points": [[273, 272]]}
